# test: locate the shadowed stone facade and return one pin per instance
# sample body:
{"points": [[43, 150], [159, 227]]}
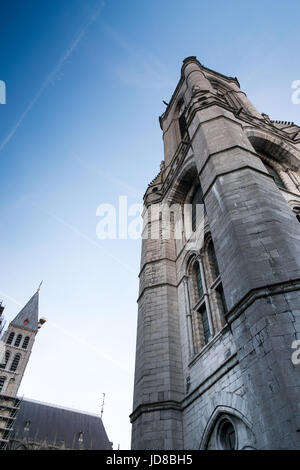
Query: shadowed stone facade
{"points": [[216, 324]]}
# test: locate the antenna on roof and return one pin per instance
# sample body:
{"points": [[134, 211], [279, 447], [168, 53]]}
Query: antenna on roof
{"points": [[102, 406], [38, 289]]}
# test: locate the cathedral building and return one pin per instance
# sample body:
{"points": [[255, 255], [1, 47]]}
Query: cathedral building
{"points": [[218, 317], [28, 424]]}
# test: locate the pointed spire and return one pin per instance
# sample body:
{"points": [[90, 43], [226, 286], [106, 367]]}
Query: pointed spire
{"points": [[28, 316]]}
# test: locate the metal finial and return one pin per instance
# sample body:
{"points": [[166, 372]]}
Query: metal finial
{"points": [[102, 406]]}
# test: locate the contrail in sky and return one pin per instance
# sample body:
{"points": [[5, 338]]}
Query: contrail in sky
{"points": [[76, 338], [52, 75], [88, 239]]}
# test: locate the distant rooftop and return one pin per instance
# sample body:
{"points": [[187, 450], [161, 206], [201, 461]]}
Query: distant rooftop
{"points": [[57, 425]]}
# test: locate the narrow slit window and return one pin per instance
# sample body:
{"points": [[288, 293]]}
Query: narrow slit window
{"points": [[182, 125], [199, 280], [205, 324]]}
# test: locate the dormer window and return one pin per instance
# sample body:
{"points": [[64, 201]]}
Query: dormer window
{"points": [[27, 425]]}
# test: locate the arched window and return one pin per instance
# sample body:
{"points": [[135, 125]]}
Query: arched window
{"points": [[15, 362], [25, 342], [80, 437], [7, 355], [202, 312], [10, 338], [201, 326], [198, 280], [18, 341], [227, 435], [2, 382], [206, 296], [214, 283], [276, 177]]}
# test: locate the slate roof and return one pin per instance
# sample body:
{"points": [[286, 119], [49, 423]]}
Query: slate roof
{"points": [[28, 316], [56, 424]]}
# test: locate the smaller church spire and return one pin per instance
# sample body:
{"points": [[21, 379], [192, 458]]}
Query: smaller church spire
{"points": [[28, 316]]}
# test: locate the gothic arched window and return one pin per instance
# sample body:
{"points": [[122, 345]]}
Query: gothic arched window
{"points": [[214, 281], [15, 362], [25, 342], [7, 356], [18, 341], [2, 382], [198, 280], [227, 435], [10, 338], [200, 319], [202, 312]]}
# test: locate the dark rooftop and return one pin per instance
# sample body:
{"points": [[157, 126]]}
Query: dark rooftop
{"points": [[57, 425]]}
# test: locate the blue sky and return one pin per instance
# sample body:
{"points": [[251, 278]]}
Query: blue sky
{"points": [[85, 82]]}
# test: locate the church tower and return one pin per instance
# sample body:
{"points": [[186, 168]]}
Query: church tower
{"points": [[18, 342], [218, 318], [18, 339]]}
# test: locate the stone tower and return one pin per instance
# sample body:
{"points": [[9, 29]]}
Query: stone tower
{"points": [[18, 340], [218, 319]]}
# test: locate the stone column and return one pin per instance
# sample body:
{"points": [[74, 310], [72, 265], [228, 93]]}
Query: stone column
{"points": [[189, 321]]}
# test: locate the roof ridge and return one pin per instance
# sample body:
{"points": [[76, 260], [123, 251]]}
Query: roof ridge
{"points": [[53, 405]]}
